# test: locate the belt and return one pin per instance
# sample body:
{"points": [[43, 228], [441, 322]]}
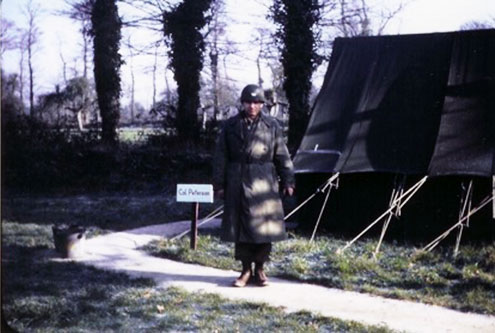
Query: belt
{"points": [[249, 161]]}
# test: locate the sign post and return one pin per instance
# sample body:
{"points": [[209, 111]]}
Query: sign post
{"points": [[194, 193], [194, 225]]}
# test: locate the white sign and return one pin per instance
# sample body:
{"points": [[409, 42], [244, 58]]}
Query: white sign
{"points": [[194, 193]]}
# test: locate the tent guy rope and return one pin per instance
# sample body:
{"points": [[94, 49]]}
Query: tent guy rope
{"points": [[321, 211], [320, 189], [406, 197], [215, 213], [437, 240]]}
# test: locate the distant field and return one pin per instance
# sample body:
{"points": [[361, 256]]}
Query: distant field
{"points": [[138, 134]]}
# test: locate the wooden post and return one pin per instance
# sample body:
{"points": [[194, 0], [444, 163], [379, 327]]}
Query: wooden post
{"points": [[493, 195], [194, 225]]}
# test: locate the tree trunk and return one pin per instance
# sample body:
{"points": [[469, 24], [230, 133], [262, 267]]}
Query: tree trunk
{"points": [[131, 67], [21, 74], [31, 78], [106, 32], [155, 65], [184, 25]]}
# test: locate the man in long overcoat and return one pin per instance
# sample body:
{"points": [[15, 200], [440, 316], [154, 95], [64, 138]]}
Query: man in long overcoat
{"points": [[251, 160]]}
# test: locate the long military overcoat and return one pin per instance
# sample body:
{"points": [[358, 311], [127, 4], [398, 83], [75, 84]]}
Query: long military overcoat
{"points": [[249, 166]]}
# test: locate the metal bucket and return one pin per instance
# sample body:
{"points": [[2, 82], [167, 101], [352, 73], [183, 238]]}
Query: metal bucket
{"points": [[69, 240]]}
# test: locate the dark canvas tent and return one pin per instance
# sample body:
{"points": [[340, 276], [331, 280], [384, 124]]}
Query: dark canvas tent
{"points": [[412, 105]]}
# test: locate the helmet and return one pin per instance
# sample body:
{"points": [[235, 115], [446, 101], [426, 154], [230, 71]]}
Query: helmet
{"points": [[252, 93]]}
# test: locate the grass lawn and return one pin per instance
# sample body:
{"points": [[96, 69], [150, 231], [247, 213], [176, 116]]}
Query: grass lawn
{"points": [[41, 293], [465, 283]]}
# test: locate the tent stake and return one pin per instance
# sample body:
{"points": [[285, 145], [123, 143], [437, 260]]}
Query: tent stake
{"points": [[466, 201], [394, 198], [408, 195], [437, 240]]}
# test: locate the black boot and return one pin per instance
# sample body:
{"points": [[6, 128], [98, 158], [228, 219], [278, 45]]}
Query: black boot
{"points": [[243, 279], [260, 276]]}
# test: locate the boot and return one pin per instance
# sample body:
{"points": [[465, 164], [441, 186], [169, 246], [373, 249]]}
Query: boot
{"points": [[260, 276], [245, 276]]}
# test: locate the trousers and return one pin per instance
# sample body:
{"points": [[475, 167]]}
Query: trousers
{"points": [[252, 252]]}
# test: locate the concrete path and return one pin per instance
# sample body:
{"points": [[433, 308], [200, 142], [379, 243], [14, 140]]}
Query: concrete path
{"points": [[118, 251]]}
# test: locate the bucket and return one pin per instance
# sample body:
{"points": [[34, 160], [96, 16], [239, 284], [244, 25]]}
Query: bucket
{"points": [[69, 240]]}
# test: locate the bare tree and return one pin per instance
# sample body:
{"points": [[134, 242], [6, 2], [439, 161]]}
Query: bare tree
{"points": [[154, 69], [217, 28], [80, 10], [64, 67], [218, 46], [32, 12], [22, 53], [357, 17], [8, 36], [477, 25], [258, 61], [133, 81]]}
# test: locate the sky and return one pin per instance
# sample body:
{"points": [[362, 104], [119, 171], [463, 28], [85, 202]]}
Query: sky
{"points": [[61, 38]]}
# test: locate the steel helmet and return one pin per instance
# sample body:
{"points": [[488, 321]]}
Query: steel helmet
{"points": [[252, 93]]}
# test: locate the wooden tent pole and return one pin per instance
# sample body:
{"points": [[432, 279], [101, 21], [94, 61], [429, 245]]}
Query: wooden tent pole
{"points": [[322, 188], [395, 197], [384, 230], [408, 194], [437, 240], [466, 201], [321, 214]]}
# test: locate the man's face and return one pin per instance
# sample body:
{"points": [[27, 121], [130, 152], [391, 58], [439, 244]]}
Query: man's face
{"points": [[252, 109]]}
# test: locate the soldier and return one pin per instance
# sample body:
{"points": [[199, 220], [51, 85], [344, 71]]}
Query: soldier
{"points": [[250, 159]]}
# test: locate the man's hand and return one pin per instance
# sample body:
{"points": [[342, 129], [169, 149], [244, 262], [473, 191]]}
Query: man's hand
{"points": [[288, 191]]}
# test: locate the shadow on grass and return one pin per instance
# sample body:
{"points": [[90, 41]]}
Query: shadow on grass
{"points": [[114, 211], [40, 292]]}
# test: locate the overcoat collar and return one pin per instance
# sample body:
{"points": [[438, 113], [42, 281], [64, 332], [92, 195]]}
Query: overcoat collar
{"points": [[239, 118]]}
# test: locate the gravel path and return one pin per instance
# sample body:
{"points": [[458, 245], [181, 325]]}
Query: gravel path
{"points": [[118, 251]]}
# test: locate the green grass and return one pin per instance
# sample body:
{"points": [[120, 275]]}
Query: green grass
{"points": [[465, 283], [41, 293], [137, 134]]}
